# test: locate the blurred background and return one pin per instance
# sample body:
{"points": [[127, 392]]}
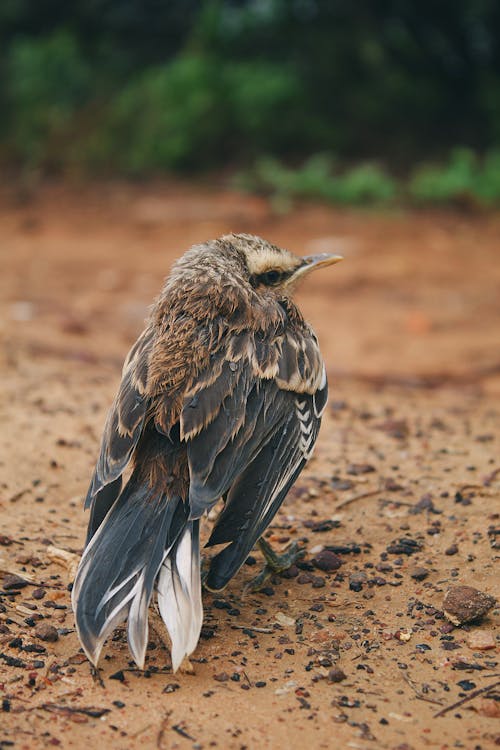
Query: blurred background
{"points": [[131, 129], [366, 102]]}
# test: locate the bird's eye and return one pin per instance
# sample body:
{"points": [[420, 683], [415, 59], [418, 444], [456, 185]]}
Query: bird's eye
{"points": [[270, 278]]}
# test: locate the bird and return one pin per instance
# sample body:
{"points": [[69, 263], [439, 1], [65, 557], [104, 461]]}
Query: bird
{"points": [[221, 398]]}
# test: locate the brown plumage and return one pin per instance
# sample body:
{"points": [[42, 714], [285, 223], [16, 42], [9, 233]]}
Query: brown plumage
{"points": [[221, 397]]}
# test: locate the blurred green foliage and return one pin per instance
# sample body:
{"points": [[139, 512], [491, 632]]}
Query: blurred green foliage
{"points": [[47, 83], [194, 112], [317, 178], [464, 178], [144, 86]]}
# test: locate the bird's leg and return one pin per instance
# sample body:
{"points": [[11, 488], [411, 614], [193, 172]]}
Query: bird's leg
{"points": [[274, 562]]}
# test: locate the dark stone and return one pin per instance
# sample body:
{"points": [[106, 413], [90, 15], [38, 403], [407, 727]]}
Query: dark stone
{"points": [[327, 561]]}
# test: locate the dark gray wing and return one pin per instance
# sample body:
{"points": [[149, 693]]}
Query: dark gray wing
{"points": [[248, 437], [259, 490], [122, 430]]}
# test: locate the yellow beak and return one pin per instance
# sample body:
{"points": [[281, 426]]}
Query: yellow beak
{"points": [[312, 262]]}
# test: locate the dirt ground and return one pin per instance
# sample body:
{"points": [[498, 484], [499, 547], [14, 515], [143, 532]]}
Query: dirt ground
{"points": [[404, 486]]}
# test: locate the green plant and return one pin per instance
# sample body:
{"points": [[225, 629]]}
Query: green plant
{"points": [[48, 81], [443, 184], [463, 177], [317, 179], [488, 180], [168, 118], [264, 105], [366, 183]]}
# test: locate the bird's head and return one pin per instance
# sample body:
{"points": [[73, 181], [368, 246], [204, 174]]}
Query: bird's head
{"points": [[275, 270]]}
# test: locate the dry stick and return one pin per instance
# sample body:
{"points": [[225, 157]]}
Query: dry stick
{"points": [[94, 713], [489, 478], [140, 731], [19, 495], [358, 497], [464, 487], [250, 627], [418, 693], [177, 728], [161, 733], [474, 694]]}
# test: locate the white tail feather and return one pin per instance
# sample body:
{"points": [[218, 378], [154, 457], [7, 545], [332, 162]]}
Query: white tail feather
{"points": [[179, 596], [137, 624]]}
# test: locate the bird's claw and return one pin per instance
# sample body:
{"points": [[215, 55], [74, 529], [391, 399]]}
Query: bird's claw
{"points": [[275, 563]]}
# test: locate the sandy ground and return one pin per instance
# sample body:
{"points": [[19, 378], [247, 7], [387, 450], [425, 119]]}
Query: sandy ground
{"points": [[404, 485]]}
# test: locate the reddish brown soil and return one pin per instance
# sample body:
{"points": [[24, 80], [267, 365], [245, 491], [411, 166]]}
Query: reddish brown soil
{"points": [[410, 328]]}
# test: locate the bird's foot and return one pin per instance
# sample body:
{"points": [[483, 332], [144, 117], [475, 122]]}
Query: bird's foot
{"points": [[275, 563]]}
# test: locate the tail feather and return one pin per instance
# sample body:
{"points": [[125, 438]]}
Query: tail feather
{"points": [[179, 594], [117, 572]]}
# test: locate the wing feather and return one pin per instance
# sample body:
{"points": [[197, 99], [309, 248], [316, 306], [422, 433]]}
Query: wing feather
{"points": [[123, 428], [255, 441], [259, 491]]}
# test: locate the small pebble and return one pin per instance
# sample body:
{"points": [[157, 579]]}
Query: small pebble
{"points": [[356, 581], [47, 633], [357, 469], [466, 684], [451, 550], [327, 561], [464, 604], [291, 572], [490, 707], [13, 581], [336, 675], [419, 574], [425, 503], [304, 578], [318, 582], [481, 640], [117, 676]]}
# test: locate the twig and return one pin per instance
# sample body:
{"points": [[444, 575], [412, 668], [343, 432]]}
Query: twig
{"points": [[12, 572], [161, 733], [19, 495], [140, 731], [393, 501], [247, 678], [94, 713], [474, 694], [250, 627], [489, 478], [465, 487], [353, 499], [418, 693], [177, 728]]}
